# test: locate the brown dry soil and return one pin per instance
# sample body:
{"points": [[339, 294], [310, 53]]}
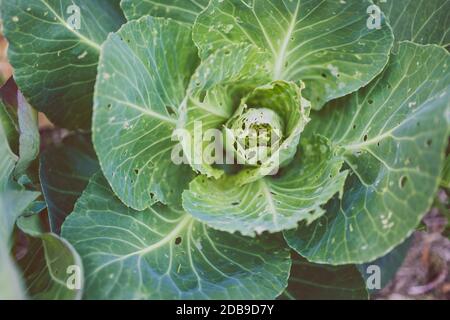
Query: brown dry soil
{"points": [[425, 273]]}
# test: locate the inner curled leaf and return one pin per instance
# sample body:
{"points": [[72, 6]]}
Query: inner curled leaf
{"points": [[257, 134], [265, 131]]}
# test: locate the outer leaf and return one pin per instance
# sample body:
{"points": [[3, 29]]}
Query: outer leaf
{"points": [[271, 203], [11, 287], [55, 64], [389, 264], [13, 198], [327, 44], [310, 281], [179, 10], [29, 138], [46, 266], [142, 81], [394, 142], [8, 114], [213, 91], [420, 21], [8, 159], [164, 254], [13, 202], [20, 123], [64, 174]]}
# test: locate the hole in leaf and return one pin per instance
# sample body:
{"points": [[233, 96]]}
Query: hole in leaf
{"points": [[235, 203], [354, 126], [403, 181], [324, 75], [429, 142], [178, 241], [170, 110], [202, 96], [136, 171], [365, 138], [370, 101]]}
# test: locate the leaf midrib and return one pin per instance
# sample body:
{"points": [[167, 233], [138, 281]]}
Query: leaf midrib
{"points": [[265, 189], [167, 239], [281, 57]]}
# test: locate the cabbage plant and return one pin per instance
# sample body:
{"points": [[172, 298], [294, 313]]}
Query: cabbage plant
{"points": [[223, 149]]}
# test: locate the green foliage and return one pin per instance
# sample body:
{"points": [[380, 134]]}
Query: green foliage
{"points": [[327, 137]]}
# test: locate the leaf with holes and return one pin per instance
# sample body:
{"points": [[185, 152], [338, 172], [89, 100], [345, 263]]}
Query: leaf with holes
{"points": [[394, 144], [213, 90], [54, 49], [272, 203], [161, 253], [326, 44], [140, 86]]}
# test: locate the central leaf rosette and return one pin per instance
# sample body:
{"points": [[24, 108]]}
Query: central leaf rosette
{"points": [[264, 132], [260, 135], [241, 131]]}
